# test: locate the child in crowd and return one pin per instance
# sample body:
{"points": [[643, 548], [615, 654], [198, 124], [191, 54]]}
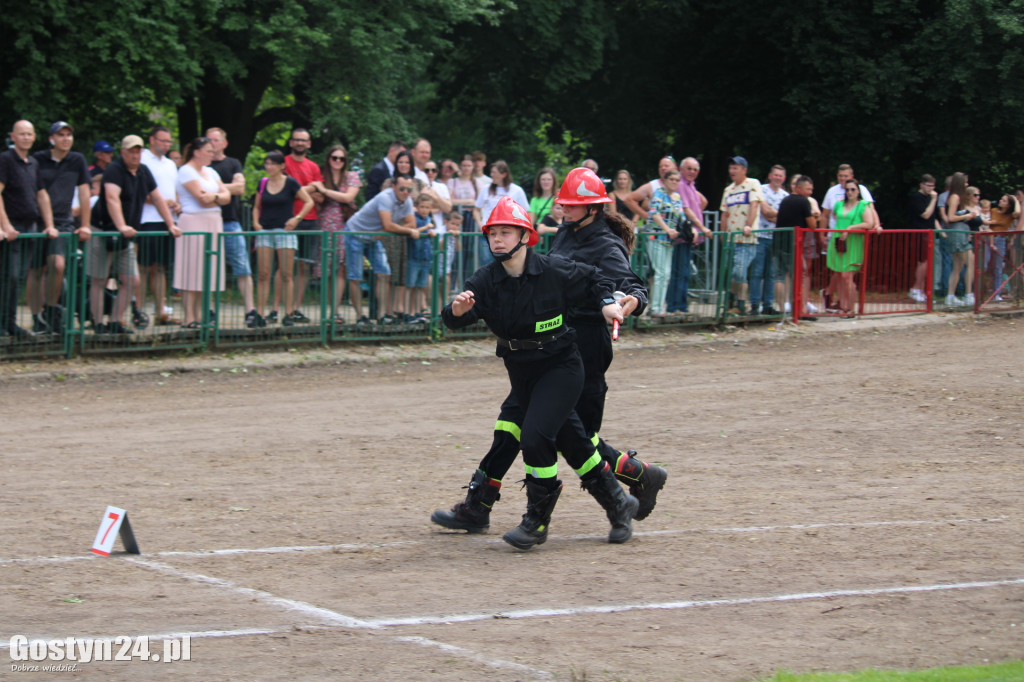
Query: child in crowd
{"points": [[421, 255], [549, 224], [453, 243]]}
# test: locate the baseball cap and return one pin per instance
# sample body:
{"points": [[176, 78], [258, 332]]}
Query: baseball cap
{"points": [[739, 160], [102, 146], [59, 126], [132, 141]]}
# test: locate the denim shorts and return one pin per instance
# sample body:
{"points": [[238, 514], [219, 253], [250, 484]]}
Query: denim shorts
{"points": [[356, 248], [276, 239], [417, 273], [235, 253], [742, 256]]}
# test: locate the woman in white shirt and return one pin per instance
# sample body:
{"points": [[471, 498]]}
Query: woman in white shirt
{"points": [[501, 185], [201, 195]]}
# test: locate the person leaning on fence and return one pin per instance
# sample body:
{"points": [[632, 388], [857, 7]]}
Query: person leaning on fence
{"points": [[307, 172], [24, 203], [798, 210], [523, 298], [65, 175], [127, 184], [201, 193], [155, 252], [762, 282], [389, 211], [666, 223], [421, 257], [678, 299], [274, 217]]}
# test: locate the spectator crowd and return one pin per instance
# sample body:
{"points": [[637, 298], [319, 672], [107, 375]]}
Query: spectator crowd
{"points": [[192, 201]]}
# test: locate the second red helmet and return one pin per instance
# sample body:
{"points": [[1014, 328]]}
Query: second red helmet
{"points": [[508, 212], [582, 186]]}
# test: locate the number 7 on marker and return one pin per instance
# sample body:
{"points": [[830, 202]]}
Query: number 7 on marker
{"points": [[107, 533], [113, 517]]}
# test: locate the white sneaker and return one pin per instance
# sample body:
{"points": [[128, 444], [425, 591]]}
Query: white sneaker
{"points": [[969, 300], [918, 295], [812, 309], [788, 308], [953, 301]]}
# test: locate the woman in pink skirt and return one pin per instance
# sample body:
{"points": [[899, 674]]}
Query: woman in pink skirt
{"points": [[201, 194]]}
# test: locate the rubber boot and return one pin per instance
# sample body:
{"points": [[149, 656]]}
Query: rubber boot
{"points": [[619, 506], [644, 481], [474, 514], [540, 502]]}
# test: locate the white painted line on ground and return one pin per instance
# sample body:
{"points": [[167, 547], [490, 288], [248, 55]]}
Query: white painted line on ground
{"points": [[584, 610], [402, 543], [320, 614], [325, 616], [467, 653]]}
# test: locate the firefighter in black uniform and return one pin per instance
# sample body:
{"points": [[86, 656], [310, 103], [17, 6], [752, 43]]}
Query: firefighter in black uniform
{"points": [[523, 298], [596, 238]]}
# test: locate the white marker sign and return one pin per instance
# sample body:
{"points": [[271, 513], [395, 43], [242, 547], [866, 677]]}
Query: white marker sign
{"points": [[115, 523]]}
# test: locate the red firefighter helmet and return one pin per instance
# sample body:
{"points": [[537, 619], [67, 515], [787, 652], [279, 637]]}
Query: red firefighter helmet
{"points": [[582, 186], [508, 212]]}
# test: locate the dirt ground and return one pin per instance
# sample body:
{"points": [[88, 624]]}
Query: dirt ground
{"points": [[839, 497]]}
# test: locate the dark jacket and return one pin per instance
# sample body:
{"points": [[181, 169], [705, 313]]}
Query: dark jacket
{"points": [[597, 246], [533, 305]]}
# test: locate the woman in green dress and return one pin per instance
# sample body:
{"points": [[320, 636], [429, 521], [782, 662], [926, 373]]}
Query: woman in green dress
{"points": [[845, 248]]}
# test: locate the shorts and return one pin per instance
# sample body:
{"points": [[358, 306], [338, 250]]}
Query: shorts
{"points": [[103, 263], [309, 244], [397, 250], [356, 248], [236, 252], [919, 245], [155, 249], [742, 256], [276, 239], [21, 253], [53, 247], [417, 273], [811, 250]]}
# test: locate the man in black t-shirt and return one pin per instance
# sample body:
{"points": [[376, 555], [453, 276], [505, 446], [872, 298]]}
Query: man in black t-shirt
{"points": [[796, 211], [127, 183], [63, 173], [923, 216], [23, 202], [235, 251]]}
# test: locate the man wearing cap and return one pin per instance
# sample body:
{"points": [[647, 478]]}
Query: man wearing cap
{"points": [[104, 154], [23, 201], [64, 173], [127, 184], [154, 252], [740, 210]]}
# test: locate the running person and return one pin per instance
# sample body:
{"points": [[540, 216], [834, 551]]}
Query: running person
{"points": [[591, 236], [524, 298]]}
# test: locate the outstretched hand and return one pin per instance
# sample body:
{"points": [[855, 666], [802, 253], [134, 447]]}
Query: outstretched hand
{"points": [[462, 303]]}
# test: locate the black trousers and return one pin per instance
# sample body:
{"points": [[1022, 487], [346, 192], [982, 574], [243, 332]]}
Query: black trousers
{"points": [[546, 393], [595, 346]]}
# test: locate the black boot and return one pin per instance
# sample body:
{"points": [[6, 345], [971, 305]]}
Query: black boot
{"points": [[474, 514], [619, 506], [644, 481], [540, 502]]}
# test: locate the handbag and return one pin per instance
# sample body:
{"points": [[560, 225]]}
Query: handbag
{"points": [[840, 245], [348, 210]]}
